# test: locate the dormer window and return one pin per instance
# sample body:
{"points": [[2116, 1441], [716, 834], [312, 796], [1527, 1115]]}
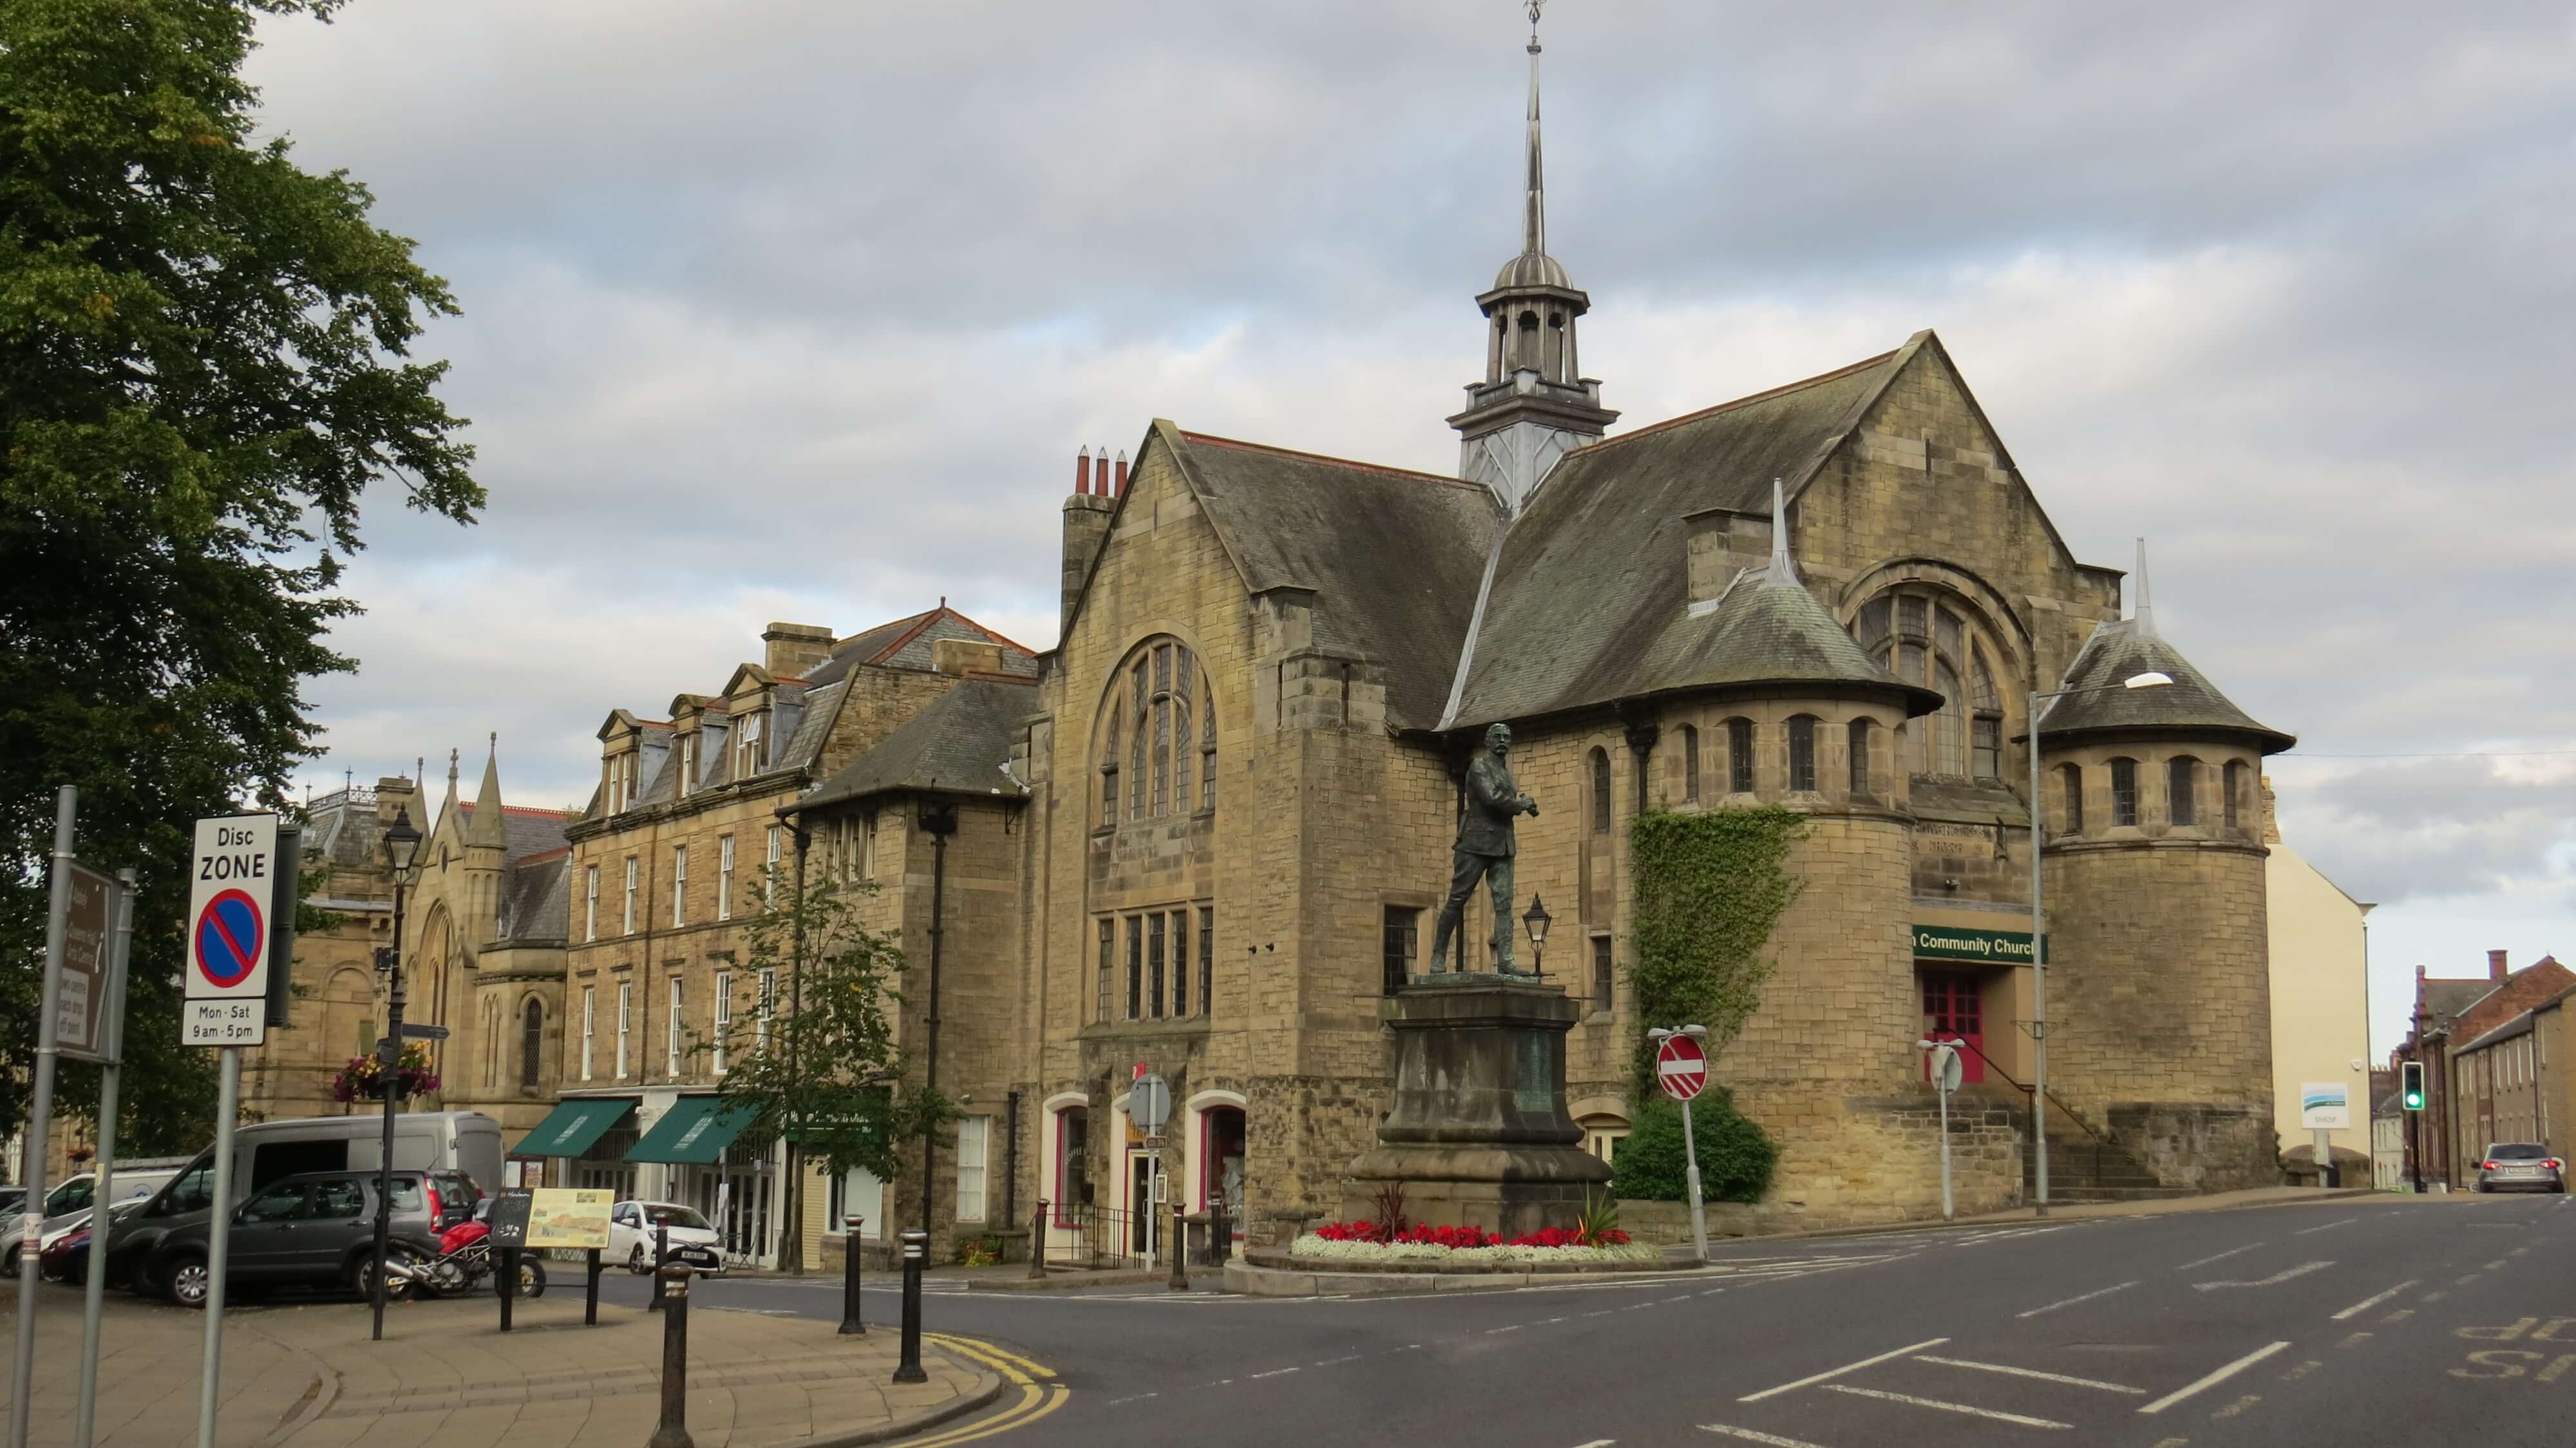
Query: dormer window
{"points": [[747, 756], [621, 781], [688, 763]]}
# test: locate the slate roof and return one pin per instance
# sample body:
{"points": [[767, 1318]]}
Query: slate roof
{"points": [[1395, 558], [958, 745], [2448, 1000], [535, 902], [527, 831], [344, 831], [2516, 1026], [910, 643], [2124, 650], [1591, 591]]}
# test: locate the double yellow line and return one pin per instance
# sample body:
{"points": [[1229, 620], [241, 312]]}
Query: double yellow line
{"points": [[1040, 1393]]}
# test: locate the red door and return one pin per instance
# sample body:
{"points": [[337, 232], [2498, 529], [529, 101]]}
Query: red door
{"points": [[1951, 1012]]}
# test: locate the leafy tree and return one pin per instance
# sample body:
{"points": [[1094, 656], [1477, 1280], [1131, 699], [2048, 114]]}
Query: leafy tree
{"points": [[818, 1064], [203, 365]]}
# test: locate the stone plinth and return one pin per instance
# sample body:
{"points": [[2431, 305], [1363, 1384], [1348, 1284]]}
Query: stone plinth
{"points": [[1479, 1133]]}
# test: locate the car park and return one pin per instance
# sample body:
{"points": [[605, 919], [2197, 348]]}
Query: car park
{"points": [[2521, 1166], [311, 1230], [635, 1229]]}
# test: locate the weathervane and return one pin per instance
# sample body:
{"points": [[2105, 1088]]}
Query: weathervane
{"points": [[1533, 10]]}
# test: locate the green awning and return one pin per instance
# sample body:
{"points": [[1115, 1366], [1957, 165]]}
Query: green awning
{"points": [[574, 1127], [694, 1132]]}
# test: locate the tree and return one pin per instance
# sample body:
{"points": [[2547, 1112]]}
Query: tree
{"points": [[811, 1054], [203, 365]]}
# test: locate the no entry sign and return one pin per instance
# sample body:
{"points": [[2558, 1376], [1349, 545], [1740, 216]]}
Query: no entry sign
{"points": [[232, 877], [1681, 1067]]}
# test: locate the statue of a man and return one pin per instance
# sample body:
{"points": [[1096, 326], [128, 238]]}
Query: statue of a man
{"points": [[1484, 849]]}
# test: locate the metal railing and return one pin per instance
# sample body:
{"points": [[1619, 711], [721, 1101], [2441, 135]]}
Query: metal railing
{"points": [[2101, 1143], [1093, 1236]]}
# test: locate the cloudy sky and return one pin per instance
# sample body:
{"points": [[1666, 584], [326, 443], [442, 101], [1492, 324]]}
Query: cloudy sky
{"points": [[796, 309]]}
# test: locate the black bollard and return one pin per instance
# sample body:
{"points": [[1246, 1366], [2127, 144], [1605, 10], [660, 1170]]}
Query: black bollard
{"points": [[674, 1429], [1037, 1241], [1220, 1231], [916, 1253], [508, 1286], [661, 1259], [590, 1302], [1180, 1279], [850, 1323]]}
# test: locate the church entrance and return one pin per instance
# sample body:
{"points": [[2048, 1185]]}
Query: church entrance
{"points": [[1953, 1012]]}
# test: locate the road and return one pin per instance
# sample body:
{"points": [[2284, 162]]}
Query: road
{"points": [[2374, 1320]]}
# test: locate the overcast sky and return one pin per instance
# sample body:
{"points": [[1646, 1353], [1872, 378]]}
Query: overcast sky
{"points": [[794, 309]]}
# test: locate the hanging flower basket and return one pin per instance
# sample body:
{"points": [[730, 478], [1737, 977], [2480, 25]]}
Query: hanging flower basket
{"points": [[363, 1079]]}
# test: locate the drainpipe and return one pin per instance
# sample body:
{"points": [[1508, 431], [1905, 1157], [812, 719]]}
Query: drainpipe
{"points": [[1011, 1155], [941, 822]]}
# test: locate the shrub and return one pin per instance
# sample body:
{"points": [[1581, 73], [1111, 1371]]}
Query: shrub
{"points": [[1735, 1158]]}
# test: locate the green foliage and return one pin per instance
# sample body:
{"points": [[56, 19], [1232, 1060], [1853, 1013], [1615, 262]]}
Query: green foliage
{"points": [[202, 368], [1598, 1219], [826, 1074], [1735, 1158], [1711, 886]]}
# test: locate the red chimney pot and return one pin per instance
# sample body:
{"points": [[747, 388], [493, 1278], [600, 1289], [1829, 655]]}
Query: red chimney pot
{"points": [[1122, 472], [1082, 472], [2496, 968]]}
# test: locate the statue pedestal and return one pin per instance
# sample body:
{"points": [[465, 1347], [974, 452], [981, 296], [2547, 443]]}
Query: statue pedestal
{"points": [[1479, 1134]]}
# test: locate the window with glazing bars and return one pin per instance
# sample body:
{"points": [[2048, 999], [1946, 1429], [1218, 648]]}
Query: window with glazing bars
{"points": [[1600, 791], [1856, 737], [1154, 966], [1604, 975], [1690, 764], [1802, 753], [1135, 967], [2182, 789], [1180, 962], [1403, 938], [1207, 960], [1739, 756], [2124, 793], [1108, 967]]}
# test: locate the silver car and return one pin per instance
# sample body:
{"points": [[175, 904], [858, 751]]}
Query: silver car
{"points": [[2520, 1166]]}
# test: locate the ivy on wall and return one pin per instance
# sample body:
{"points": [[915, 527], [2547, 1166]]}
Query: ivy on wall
{"points": [[1710, 888]]}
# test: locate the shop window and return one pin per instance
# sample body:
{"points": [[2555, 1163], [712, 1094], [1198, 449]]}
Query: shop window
{"points": [[1402, 939], [2124, 793], [1802, 753]]}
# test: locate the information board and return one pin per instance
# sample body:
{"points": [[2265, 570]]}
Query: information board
{"points": [[573, 1218]]}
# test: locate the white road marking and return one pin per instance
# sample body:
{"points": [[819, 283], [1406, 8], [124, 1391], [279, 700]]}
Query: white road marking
{"points": [[2367, 1303], [2400, 1315], [2221, 1257], [1749, 1436], [2212, 1380], [2032, 1373], [1911, 1400], [2275, 1280], [1838, 1372], [1515, 1327], [1138, 1398], [1328, 1362], [2071, 1301], [1597, 1443], [1273, 1373], [2328, 1227]]}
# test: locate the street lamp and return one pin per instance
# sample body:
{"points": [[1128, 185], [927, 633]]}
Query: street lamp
{"points": [[401, 843], [1536, 920], [2153, 679]]}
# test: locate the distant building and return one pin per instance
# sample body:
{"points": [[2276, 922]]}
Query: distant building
{"points": [[2320, 999], [2453, 1017]]}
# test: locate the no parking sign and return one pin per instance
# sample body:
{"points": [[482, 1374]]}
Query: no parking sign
{"points": [[232, 876]]}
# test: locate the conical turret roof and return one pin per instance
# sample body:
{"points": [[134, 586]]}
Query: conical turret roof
{"points": [[2121, 651], [484, 826]]}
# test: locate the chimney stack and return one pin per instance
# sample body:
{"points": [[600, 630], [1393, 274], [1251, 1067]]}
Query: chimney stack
{"points": [[1086, 523], [2496, 969], [1082, 473], [1122, 472]]}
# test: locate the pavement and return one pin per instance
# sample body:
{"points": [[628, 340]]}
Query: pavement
{"points": [[308, 1375]]}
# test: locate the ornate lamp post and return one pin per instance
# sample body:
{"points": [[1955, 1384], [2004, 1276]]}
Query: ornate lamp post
{"points": [[1536, 920], [2039, 932], [401, 843]]}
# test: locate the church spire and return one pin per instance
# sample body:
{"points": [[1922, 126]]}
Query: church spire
{"points": [[2142, 612], [1534, 406], [1783, 572]]}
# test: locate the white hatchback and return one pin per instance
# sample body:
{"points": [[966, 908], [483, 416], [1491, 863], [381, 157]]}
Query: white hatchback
{"points": [[635, 1227]]}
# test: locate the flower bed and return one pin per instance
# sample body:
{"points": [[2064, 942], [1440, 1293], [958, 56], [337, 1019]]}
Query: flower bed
{"points": [[1367, 1243]]}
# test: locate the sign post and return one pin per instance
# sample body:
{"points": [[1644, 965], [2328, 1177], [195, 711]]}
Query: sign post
{"points": [[110, 1054], [31, 1221], [2325, 1107], [232, 872], [1947, 1073], [1681, 1069]]}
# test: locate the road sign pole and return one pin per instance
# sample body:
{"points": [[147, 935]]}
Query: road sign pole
{"points": [[1941, 1082], [102, 1220], [22, 1369], [1699, 1209], [218, 1239]]}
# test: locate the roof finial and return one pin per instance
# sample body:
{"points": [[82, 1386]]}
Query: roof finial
{"points": [[2143, 613], [1534, 202], [1783, 572]]}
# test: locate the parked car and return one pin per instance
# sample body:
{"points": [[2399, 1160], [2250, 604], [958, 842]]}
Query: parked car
{"points": [[67, 1207], [313, 1230], [10, 1197], [633, 1228], [2520, 1166]]}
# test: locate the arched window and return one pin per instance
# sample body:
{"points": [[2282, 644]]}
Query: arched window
{"points": [[2124, 794], [1932, 641], [1169, 754], [2070, 785], [2234, 779], [1856, 736], [532, 1042], [1690, 764], [1802, 753], [1601, 791], [1739, 756], [2182, 789]]}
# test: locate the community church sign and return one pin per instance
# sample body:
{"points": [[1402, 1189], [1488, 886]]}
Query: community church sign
{"points": [[1949, 942]]}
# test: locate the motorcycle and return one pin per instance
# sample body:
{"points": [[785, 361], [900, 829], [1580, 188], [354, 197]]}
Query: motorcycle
{"points": [[465, 1257]]}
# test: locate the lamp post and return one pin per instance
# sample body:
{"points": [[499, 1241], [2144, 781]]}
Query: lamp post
{"points": [[2039, 932], [401, 842], [1535, 920]]}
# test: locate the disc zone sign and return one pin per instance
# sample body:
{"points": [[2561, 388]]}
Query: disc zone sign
{"points": [[1681, 1068], [231, 877]]}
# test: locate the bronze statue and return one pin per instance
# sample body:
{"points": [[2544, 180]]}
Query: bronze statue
{"points": [[1484, 849]]}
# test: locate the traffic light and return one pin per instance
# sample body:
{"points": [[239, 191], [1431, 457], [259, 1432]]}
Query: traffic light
{"points": [[2410, 1085]]}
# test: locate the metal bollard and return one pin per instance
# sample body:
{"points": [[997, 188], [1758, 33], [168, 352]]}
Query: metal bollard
{"points": [[508, 1286], [1180, 1279], [1037, 1241], [673, 1432], [661, 1259], [850, 1323], [1220, 1232], [916, 1252], [590, 1298]]}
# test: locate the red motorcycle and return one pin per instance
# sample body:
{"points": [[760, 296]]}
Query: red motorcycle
{"points": [[465, 1257]]}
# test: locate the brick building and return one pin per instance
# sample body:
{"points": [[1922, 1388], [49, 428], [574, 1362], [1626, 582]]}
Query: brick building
{"points": [[2460, 1034]]}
